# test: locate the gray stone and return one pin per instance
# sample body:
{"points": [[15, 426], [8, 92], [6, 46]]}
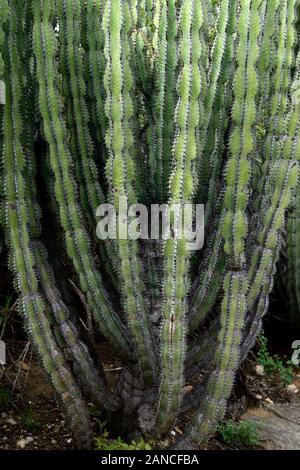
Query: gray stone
{"points": [[278, 425]]}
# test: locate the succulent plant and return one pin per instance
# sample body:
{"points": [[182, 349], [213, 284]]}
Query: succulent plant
{"points": [[160, 102]]}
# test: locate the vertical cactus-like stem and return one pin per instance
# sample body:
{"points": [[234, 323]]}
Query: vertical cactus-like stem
{"points": [[121, 173], [265, 69], [291, 37], [226, 362], [209, 283], [226, 356], [18, 218], [4, 10], [160, 68], [280, 142], [280, 183], [275, 191], [218, 125], [235, 287], [169, 101], [216, 61], [272, 219], [142, 181], [212, 267], [214, 72], [95, 37], [200, 355], [181, 190], [280, 82], [91, 379], [266, 55], [77, 242], [69, 109], [241, 141], [143, 64], [69, 19]]}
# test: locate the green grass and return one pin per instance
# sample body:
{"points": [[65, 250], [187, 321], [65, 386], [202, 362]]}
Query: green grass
{"points": [[30, 420], [273, 365], [243, 433], [104, 442]]}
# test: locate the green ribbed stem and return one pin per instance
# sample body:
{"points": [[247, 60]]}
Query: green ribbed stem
{"points": [[32, 302], [77, 242], [181, 190], [121, 173]]}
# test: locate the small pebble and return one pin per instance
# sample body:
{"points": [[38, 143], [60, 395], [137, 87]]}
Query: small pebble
{"points": [[260, 370], [268, 400], [11, 421], [22, 443], [292, 388]]}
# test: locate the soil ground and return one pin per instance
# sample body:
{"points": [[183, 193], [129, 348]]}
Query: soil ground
{"points": [[31, 418], [30, 415]]}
